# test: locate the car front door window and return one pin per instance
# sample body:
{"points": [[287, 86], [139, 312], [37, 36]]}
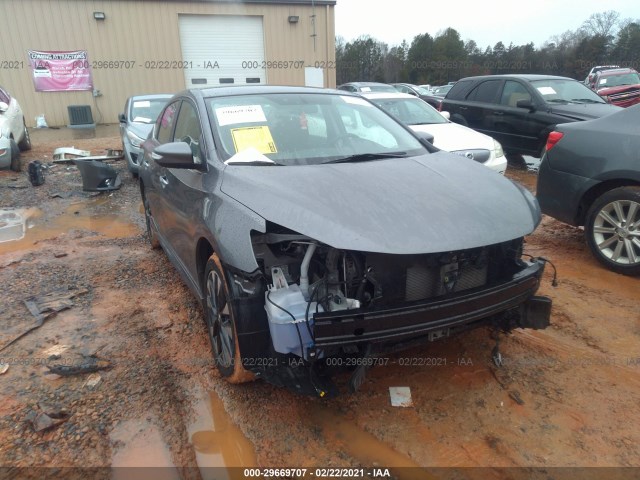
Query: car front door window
{"points": [[166, 122], [188, 130]]}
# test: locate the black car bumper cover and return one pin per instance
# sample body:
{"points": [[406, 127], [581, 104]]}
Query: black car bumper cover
{"points": [[419, 318]]}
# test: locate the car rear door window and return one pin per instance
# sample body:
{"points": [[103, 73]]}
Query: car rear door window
{"points": [[166, 122], [486, 92], [513, 92], [188, 129], [4, 96]]}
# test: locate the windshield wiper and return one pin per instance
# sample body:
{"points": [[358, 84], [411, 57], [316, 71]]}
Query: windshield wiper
{"points": [[585, 100], [365, 157], [558, 100]]}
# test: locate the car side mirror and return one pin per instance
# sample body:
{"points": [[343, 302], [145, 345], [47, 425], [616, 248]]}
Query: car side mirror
{"points": [[528, 104], [425, 138], [446, 115], [175, 155], [122, 118], [3, 107]]}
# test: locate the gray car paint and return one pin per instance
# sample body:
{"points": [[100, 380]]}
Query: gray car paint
{"points": [[398, 206]]}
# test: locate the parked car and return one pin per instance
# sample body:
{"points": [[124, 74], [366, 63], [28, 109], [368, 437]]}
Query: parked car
{"points": [[619, 87], [426, 86], [14, 135], [590, 176], [366, 87], [449, 136], [520, 110], [599, 68], [309, 243], [436, 95], [411, 89], [140, 114]]}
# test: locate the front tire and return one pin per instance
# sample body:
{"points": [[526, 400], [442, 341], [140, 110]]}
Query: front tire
{"points": [[221, 324], [613, 230], [25, 143], [16, 163]]}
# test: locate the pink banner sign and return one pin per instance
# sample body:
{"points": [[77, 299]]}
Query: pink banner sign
{"points": [[60, 71]]}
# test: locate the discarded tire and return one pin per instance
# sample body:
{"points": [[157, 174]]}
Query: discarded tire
{"points": [[36, 173]]}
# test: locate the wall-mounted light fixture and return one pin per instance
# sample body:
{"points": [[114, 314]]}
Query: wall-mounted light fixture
{"points": [[99, 15], [294, 18]]}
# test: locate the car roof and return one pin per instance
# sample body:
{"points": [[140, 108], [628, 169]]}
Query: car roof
{"points": [[527, 77], [615, 71], [364, 84], [225, 91], [159, 96], [382, 95]]}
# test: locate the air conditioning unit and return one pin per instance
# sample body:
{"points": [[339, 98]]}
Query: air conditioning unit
{"points": [[80, 116]]}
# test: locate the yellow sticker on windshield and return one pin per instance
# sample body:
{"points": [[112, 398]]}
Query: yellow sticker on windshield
{"points": [[257, 137]]}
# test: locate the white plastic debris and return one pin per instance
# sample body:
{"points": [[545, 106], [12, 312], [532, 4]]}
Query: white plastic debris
{"points": [[41, 122], [3, 368], [93, 380], [400, 397]]}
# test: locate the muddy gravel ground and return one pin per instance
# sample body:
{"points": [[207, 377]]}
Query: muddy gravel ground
{"points": [[568, 396]]}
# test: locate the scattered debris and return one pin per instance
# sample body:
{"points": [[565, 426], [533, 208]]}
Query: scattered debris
{"points": [[12, 225], [41, 307], [47, 420], [88, 365], [92, 381], [14, 182], [60, 254], [61, 155], [36, 173], [98, 176], [400, 397], [4, 367], [61, 194], [515, 396], [55, 351]]}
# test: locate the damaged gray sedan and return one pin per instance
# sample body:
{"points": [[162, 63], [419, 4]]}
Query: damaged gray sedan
{"points": [[317, 231]]}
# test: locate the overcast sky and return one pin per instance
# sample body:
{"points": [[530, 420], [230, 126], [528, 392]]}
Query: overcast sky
{"points": [[485, 22]]}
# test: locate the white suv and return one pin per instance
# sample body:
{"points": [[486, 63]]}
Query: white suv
{"points": [[14, 135]]}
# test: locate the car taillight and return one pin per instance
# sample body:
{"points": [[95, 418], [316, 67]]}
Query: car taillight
{"points": [[552, 139]]}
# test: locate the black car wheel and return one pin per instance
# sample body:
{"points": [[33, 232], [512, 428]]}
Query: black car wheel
{"points": [[613, 230], [220, 318], [25, 143], [152, 236], [16, 164]]}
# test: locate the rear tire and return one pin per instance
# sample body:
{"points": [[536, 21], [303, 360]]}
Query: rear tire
{"points": [[612, 229], [221, 324], [16, 163]]}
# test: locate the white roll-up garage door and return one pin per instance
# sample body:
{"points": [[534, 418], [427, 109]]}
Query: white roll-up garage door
{"points": [[222, 49]]}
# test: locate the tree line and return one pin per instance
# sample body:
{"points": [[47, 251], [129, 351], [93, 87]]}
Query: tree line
{"points": [[603, 39]]}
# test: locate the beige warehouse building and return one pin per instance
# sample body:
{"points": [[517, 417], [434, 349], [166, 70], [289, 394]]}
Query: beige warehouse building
{"points": [[163, 46]]}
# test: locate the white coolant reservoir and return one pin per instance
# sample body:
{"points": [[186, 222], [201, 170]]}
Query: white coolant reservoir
{"points": [[284, 329]]}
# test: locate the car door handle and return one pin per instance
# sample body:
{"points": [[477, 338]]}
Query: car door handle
{"points": [[498, 113], [464, 108], [164, 181]]}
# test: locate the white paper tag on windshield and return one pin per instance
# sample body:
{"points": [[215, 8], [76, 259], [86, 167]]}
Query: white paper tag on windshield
{"points": [[248, 155], [142, 104], [356, 100], [240, 114], [547, 91]]}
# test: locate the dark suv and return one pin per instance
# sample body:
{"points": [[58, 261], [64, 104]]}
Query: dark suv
{"points": [[519, 111]]}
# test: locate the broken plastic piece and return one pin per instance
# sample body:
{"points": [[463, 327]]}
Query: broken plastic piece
{"points": [[60, 154], [97, 176], [400, 397]]}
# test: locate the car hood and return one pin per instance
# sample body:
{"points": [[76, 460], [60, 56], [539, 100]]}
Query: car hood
{"points": [[453, 137], [140, 129], [618, 89], [432, 203], [584, 111]]}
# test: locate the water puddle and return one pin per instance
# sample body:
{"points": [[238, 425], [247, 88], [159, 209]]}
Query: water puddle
{"points": [[138, 443], [21, 229], [218, 442]]}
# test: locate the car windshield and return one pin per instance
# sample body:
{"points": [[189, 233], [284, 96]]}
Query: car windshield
{"points": [[559, 90], [442, 91], [619, 80], [410, 111], [422, 91], [146, 110], [305, 129]]}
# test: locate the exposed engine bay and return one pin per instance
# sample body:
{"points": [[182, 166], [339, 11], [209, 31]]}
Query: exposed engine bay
{"points": [[314, 288]]}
